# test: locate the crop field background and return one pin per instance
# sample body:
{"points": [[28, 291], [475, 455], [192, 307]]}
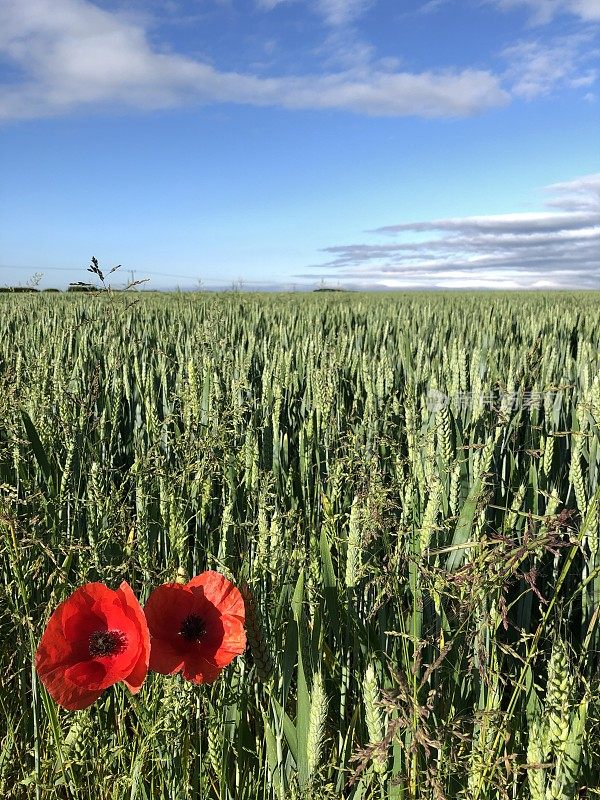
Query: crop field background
{"points": [[405, 487]]}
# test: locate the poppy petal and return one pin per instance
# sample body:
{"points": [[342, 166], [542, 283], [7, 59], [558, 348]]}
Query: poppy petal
{"points": [[220, 592], [199, 670], [224, 639], [133, 609], [233, 643], [137, 676], [210, 602], [165, 609], [74, 668], [164, 658], [90, 675], [67, 694], [79, 623]]}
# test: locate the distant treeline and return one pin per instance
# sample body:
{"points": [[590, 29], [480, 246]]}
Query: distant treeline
{"points": [[72, 287]]}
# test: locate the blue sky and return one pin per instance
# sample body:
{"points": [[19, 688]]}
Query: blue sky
{"points": [[282, 143]]}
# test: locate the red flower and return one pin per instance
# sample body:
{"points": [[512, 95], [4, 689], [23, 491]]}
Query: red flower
{"points": [[94, 639], [197, 628]]}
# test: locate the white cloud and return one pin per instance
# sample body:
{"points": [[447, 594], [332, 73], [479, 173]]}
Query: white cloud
{"points": [[549, 249], [269, 5], [431, 6], [73, 54], [538, 68], [579, 195], [524, 224], [70, 54], [544, 11], [426, 94], [342, 12], [333, 12]]}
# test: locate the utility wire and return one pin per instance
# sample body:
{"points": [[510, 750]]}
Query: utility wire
{"points": [[150, 272]]}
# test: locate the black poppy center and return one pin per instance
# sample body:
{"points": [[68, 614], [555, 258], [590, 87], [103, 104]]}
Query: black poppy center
{"points": [[192, 628], [107, 643]]}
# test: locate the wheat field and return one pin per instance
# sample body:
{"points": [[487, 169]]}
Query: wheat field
{"points": [[405, 489]]}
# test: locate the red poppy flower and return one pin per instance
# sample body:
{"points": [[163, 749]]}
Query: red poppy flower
{"points": [[97, 637], [196, 628]]}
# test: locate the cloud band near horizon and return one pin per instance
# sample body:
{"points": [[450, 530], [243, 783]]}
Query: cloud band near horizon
{"points": [[548, 249]]}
